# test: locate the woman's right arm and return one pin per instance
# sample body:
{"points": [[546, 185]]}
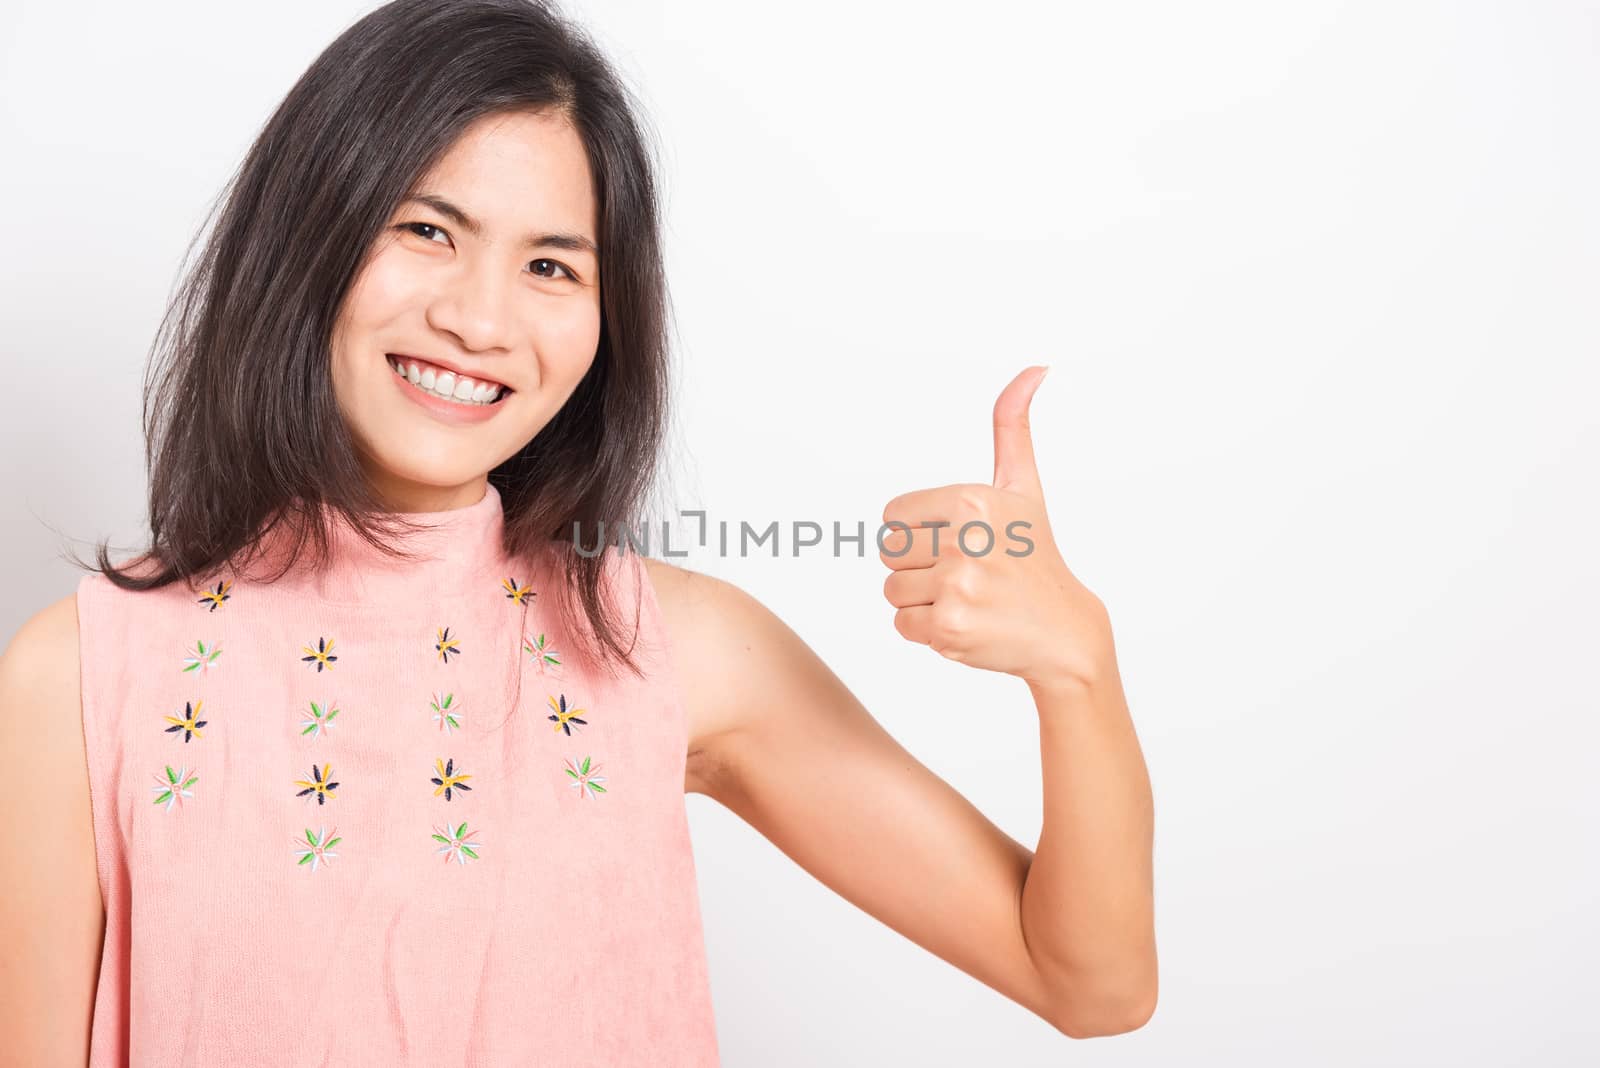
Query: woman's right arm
{"points": [[52, 920]]}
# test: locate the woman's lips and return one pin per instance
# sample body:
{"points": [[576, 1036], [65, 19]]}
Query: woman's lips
{"points": [[448, 410]]}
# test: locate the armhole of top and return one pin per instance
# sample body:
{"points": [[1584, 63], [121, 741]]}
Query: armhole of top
{"points": [[102, 814], [660, 663]]}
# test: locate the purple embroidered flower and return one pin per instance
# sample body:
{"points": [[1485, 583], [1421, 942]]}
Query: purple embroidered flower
{"points": [[190, 724], [447, 779], [318, 784], [446, 645], [322, 655], [563, 717], [215, 597]]}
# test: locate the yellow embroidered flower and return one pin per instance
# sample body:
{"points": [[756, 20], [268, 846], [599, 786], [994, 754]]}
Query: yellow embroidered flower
{"points": [[447, 779]]}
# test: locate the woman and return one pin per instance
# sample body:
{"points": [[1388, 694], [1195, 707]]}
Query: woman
{"points": [[412, 789]]}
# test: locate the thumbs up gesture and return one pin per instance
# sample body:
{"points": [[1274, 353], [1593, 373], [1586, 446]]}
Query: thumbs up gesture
{"points": [[976, 574]]}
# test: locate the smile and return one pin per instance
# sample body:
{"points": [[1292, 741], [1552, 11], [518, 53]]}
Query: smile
{"points": [[445, 384]]}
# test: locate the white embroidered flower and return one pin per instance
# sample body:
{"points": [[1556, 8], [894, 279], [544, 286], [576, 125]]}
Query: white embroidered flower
{"points": [[318, 847], [447, 712], [584, 779], [456, 844], [175, 786], [202, 658], [320, 721]]}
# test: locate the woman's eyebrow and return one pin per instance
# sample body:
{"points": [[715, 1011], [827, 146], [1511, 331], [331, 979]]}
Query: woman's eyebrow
{"points": [[572, 242]]}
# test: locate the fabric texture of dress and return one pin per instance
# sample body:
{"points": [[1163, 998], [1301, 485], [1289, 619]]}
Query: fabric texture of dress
{"points": [[374, 815]]}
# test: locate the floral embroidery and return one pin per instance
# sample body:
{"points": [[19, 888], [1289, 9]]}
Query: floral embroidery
{"points": [[447, 645], [175, 786], [564, 717], [447, 779], [217, 596], [584, 779], [321, 842], [318, 784], [322, 655], [320, 720], [543, 652], [457, 845], [517, 593], [202, 659], [190, 724], [447, 712]]}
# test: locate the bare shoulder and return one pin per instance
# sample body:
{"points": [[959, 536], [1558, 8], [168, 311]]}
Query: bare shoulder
{"points": [[51, 914], [39, 672], [718, 636]]}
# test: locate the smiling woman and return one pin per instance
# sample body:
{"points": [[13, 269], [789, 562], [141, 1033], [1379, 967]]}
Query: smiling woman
{"points": [[527, 328], [368, 759], [458, 230], [379, 551]]}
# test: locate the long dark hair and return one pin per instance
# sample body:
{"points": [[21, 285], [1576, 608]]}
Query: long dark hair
{"points": [[240, 365]]}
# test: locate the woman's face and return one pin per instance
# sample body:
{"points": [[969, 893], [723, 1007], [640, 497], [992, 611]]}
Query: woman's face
{"points": [[489, 274]]}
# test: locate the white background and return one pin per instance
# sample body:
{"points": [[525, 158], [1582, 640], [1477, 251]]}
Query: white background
{"points": [[1317, 285]]}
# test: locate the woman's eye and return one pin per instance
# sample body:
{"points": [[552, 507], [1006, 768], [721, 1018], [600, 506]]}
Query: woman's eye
{"points": [[540, 267], [553, 263], [415, 227]]}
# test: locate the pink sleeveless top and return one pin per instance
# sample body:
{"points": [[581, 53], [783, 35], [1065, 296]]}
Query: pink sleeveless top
{"points": [[374, 815]]}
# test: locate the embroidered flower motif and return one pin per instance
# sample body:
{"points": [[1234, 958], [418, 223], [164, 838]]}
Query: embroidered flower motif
{"points": [[215, 597], [322, 655], [320, 721], [584, 779], [321, 843], [202, 659], [318, 784], [564, 717], [447, 712], [174, 787], [543, 652], [456, 844], [447, 779], [190, 724], [517, 593], [447, 645]]}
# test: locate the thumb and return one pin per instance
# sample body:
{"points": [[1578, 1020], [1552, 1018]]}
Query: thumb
{"points": [[1014, 466]]}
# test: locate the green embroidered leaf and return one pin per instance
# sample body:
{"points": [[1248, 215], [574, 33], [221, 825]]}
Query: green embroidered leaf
{"points": [[468, 851], [311, 836], [332, 842], [306, 858], [585, 765], [164, 797], [441, 838], [597, 788], [460, 829]]}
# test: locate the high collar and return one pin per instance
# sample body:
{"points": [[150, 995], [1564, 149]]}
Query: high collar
{"points": [[453, 553]]}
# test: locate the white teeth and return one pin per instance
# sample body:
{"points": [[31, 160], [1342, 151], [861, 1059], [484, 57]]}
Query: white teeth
{"points": [[447, 384]]}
